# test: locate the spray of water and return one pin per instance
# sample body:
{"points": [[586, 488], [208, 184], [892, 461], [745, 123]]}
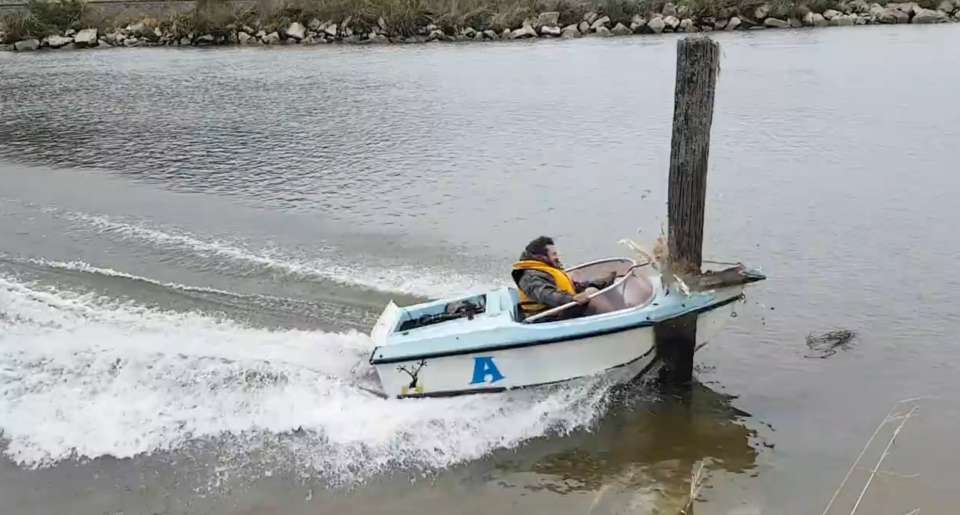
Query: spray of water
{"points": [[85, 376]]}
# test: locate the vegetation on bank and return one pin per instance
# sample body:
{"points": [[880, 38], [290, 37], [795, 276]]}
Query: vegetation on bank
{"points": [[222, 21]]}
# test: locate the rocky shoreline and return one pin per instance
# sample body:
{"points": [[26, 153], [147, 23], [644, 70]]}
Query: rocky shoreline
{"points": [[149, 32]]}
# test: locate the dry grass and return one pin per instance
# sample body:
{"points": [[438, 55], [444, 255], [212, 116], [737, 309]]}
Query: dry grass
{"points": [[696, 483], [896, 413], [43, 18], [398, 17]]}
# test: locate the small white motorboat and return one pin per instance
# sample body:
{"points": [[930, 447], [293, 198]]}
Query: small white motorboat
{"points": [[480, 342]]}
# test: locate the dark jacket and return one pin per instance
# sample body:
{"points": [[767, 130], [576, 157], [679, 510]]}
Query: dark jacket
{"points": [[540, 286]]}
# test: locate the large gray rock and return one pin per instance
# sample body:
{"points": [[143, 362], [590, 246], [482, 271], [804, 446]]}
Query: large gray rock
{"points": [[720, 24], [548, 19], [656, 25], [776, 23], [893, 16], [57, 41], [590, 18], [795, 23], [185, 42], [132, 42], [601, 22], [863, 19], [296, 31], [686, 25], [621, 30], [670, 10], [524, 32], [584, 27], [930, 16], [671, 22], [762, 12], [946, 6], [876, 10], [807, 20], [26, 45], [844, 20], [103, 44], [570, 32], [208, 39], [603, 31], [553, 32], [819, 20], [314, 25], [142, 31], [243, 38], [331, 30], [638, 23], [271, 39], [830, 14], [469, 32], [733, 24], [86, 38], [490, 34], [907, 7]]}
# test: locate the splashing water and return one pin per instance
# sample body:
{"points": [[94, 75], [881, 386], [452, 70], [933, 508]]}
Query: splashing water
{"points": [[85, 376]]}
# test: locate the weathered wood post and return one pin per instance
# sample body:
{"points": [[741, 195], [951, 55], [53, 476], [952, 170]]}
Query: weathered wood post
{"points": [[698, 63]]}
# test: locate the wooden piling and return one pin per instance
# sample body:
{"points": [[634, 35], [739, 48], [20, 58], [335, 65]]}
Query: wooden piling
{"points": [[698, 64]]}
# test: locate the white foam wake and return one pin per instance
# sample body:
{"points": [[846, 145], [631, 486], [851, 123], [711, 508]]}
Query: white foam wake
{"points": [[414, 280], [83, 266], [84, 376]]}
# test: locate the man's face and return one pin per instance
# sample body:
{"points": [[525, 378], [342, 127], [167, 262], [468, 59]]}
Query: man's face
{"points": [[553, 256]]}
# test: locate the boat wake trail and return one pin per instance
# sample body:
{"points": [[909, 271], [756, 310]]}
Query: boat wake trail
{"points": [[85, 376], [237, 257]]}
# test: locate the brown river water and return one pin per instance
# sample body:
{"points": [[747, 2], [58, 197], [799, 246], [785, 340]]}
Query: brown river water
{"points": [[194, 244]]}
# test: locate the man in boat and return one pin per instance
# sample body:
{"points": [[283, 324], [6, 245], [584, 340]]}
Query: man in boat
{"points": [[544, 285]]}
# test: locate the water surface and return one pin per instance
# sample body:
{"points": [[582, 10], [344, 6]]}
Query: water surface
{"points": [[194, 244]]}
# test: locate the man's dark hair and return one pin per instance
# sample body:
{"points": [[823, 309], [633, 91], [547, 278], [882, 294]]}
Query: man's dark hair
{"points": [[538, 247]]}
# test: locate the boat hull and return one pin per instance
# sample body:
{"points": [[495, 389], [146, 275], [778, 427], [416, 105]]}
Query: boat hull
{"points": [[531, 365], [622, 354]]}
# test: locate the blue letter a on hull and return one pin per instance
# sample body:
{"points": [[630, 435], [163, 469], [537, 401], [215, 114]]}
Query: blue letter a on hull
{"points": [[484, 368]]}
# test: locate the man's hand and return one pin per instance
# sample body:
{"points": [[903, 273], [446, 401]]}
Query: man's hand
{"points": [[583, 297]]}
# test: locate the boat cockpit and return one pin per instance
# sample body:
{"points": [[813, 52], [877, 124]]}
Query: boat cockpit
{"points": [[630, 290]]}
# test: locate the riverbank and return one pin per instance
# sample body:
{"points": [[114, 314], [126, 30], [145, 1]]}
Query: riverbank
{"points": [[71, 24]]}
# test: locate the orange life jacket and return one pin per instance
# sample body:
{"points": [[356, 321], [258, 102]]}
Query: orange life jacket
{"points": [[563, 281]]}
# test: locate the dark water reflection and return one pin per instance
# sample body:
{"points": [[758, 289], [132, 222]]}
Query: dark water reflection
{"points": [[646, 451]]}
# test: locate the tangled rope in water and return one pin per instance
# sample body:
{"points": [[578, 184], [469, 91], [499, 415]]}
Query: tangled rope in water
{"points": [[828, 343]]}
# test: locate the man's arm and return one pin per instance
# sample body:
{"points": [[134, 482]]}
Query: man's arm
{"points": [[596, 283], [540, 288]]}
